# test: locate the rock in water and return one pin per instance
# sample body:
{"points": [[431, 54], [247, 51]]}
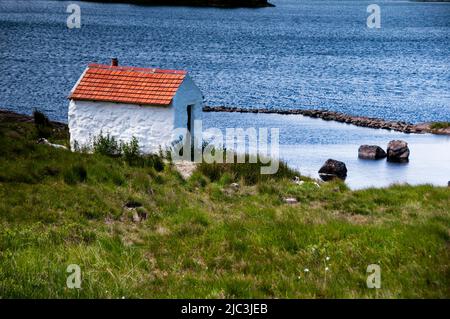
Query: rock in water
{"points": [[397, 151], [332, 169], [371, 152]]}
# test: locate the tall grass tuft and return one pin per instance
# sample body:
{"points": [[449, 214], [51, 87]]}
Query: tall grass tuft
{"points": [[74, 174], [130, 151], [250, 173]]}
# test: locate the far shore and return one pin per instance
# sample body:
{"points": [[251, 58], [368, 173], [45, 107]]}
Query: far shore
{"points": [[226, 4]]}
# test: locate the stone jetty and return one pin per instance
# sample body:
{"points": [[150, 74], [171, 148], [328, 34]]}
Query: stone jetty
{"points": [[326, 115]]}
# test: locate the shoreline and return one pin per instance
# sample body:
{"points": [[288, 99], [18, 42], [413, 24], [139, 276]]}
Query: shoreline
{"points": [[7, 115], [326, 115], [312, 155], [361, 121]]}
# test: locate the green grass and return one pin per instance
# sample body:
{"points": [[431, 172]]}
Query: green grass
{"points": [[247, 172], [203, 238], [439, 125]]}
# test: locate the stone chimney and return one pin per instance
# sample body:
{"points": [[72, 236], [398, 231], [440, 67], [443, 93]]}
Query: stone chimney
{"points": [[114, 62]]}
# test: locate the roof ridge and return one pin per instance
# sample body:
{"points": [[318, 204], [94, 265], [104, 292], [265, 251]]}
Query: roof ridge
{"points": [[137, 69]]}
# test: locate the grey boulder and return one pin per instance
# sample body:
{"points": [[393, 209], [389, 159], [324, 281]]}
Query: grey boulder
{"points": [[371, 152], [397, 151], [333, 169]]}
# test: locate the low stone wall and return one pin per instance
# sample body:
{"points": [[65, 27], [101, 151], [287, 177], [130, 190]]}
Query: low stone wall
{"points": [[363, 121]]}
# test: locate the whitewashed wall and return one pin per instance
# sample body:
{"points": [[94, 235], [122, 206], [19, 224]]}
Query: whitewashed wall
{"points": [[151, 125], [187, 94]]}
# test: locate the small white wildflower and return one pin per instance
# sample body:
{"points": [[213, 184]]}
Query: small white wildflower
{"points": [[328, 258], [326, 268], [306, 270], [123, 297], [299, 277]]}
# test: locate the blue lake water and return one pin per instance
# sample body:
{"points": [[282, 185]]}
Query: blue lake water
{"points": [[306, 143], [300, 54]]}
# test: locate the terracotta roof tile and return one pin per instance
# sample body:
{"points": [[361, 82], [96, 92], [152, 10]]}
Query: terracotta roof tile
{"points": [[132, 85]]}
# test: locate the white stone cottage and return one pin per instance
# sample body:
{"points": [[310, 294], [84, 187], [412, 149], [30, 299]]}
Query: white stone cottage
{"points": [[126, 101]]}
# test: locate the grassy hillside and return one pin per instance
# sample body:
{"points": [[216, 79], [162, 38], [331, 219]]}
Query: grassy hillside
{"points": [[202, 237]]}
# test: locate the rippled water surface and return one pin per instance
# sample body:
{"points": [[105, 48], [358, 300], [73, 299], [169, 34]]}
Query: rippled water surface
{"points": [[300, 54]]}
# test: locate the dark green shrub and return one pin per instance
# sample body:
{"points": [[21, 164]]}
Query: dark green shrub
{"points": [[40, 118], [157, 163], [132, 155], [106, 145], [43, 125], [130, 152], [81, 172], [226, 179]]}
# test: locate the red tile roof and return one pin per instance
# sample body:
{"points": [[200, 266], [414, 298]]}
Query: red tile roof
{"points": [[128, 85]]}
